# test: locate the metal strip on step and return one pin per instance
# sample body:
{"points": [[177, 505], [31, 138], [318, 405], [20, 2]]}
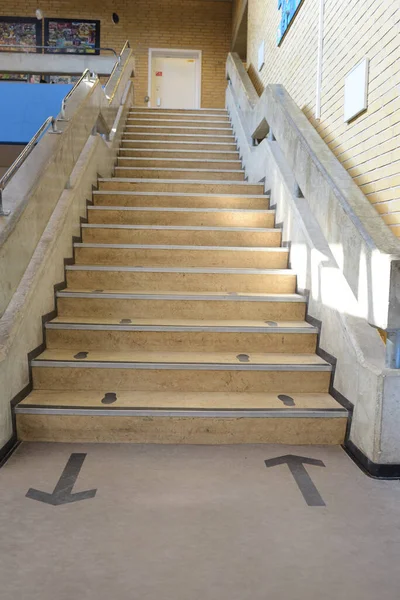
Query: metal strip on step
{"points": [[131, 141], [194, 122], [181, 194], [173, 169], [257, 249], [121, 149], [292, 298], [181, 328], [183, 270], [169, 209], [180, 160], [188, 128], [180, 135], [179, 366], [189, 413], [177, 181], [180, 227]]}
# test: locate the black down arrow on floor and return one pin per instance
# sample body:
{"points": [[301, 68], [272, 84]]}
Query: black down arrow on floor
{"points": [[296, 465], [62, 493]]}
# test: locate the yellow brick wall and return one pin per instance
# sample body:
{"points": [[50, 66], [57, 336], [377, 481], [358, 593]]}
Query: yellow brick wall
{"points": [[191, 24], [369, 147]]}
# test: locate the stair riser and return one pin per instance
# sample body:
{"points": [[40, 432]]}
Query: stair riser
{"points": [[193, 155], [184, 187], [196, 282], [176, 258], [169, 174], [157, 112], [180, 164], [129, 144], [198, 238], [179, 137], [195, 219], [175, 126], [181, 201], [73, 378], [180, 309], [173, 430], [159, 341], [200, 130], [137, 118]]}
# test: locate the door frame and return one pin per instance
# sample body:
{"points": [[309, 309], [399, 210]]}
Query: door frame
{"points": [[178, 53]]}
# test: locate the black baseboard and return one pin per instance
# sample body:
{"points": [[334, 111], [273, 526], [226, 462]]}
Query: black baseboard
{"points": [[8, 449], [374, 470]]}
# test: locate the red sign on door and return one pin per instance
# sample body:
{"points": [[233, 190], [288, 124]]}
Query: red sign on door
{"points": [[158, 73]]}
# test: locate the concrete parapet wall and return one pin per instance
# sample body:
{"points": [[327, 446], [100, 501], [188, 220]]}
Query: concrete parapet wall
{"points": [[335, 262], [34, 191], [21, 324]]}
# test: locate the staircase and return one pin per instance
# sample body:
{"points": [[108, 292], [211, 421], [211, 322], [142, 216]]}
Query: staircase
{"points": [[180, 322]]}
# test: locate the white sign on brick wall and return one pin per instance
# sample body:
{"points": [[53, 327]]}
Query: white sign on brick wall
{"points": [[356, 90]]}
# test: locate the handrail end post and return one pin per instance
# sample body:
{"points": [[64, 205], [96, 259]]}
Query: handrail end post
{"points": [[54, 128], [3, 213]]}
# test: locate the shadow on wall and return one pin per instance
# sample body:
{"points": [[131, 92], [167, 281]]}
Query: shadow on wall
{"points": [[255, 80]]}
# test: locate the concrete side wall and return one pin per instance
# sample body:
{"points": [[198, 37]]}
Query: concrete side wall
{"points": [[360, 375], [368, 147], [239, 6], [189, 24], [21, 324]]}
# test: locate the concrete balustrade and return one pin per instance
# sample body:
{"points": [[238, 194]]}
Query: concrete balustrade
{"points": [[345, 257], [47, 197], [34, 191]]}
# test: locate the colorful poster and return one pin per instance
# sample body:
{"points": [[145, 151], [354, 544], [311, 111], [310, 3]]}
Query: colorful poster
{"points": [[19, 32], [289, 10], [70, 36]]}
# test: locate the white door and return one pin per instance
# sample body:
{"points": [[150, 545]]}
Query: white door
{"points": [[173, 82]]}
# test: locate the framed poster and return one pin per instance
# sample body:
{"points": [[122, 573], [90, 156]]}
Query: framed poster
{"points": [[289, 10], [20, 32], [72, 36]]}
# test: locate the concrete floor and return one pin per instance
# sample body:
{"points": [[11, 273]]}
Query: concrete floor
{"points": [[196, 523]]}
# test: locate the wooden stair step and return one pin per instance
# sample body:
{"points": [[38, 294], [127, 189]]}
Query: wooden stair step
{"points": [[176, 144], [205, 336], [101, 415], [183, 400], [175, 255], [177, 200], [182, 163], [167, 153], [81, 369], [181, 278], [148, 215], [170, 305], [178, 234], [180, 173], [180, 185]]}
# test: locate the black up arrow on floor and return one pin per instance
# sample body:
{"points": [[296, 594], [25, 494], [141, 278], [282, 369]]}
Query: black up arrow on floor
{"points": [[62, 493], [302, 478]]}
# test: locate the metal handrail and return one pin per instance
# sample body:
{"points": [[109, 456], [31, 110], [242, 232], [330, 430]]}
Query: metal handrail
{"points": [[117, 64], [9, 174], [86, 73], [11, 171], [60, 50]]}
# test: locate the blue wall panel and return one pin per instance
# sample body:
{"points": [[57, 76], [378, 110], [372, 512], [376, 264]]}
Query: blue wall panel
{"points": [[24, 107]]}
